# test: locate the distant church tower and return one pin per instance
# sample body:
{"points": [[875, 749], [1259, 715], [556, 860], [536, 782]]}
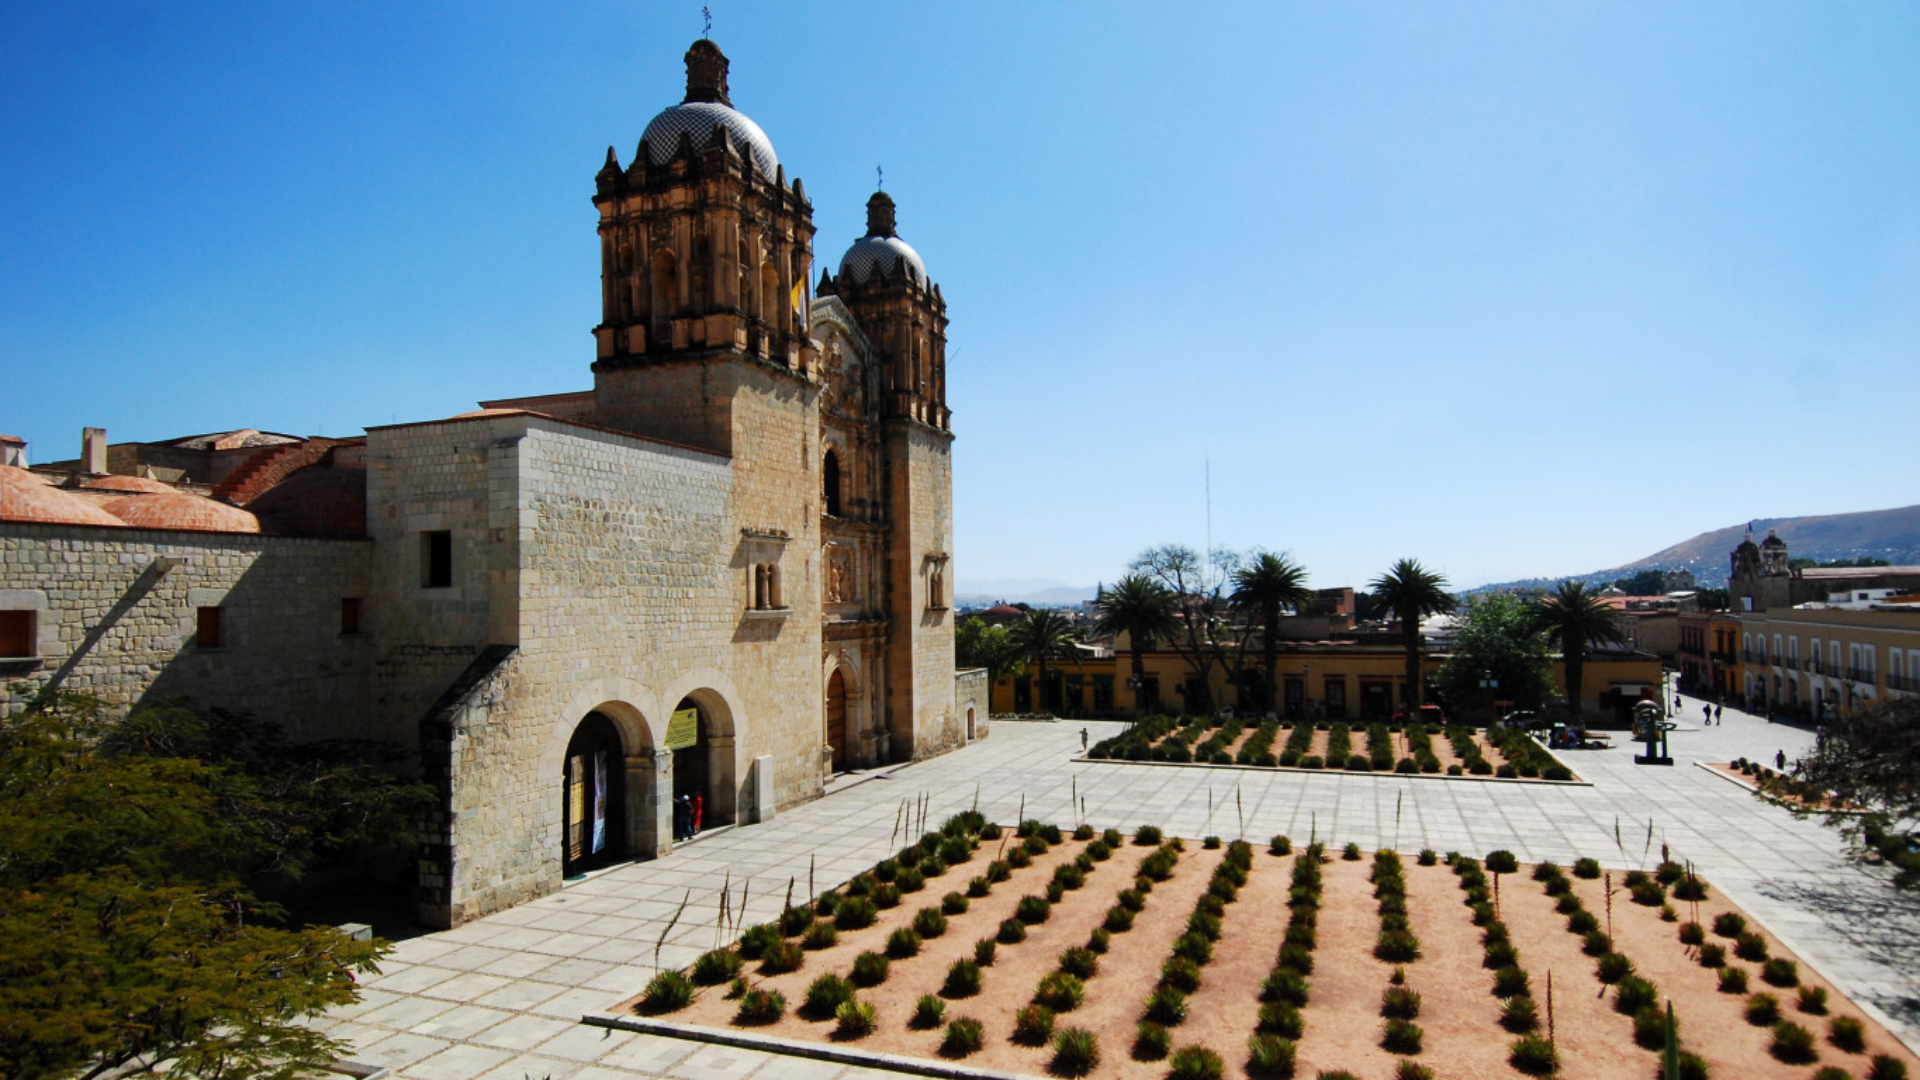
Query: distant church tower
{"points": [[883, 283], [705, 255]]}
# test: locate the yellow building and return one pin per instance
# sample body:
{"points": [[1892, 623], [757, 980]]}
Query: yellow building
{"points": [[1807, 663]]}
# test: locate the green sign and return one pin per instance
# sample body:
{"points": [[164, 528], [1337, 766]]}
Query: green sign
{"points": [[683, 729]]}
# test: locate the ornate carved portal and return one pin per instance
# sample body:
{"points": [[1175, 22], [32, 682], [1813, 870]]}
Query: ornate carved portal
{"points": [[837, 720]]}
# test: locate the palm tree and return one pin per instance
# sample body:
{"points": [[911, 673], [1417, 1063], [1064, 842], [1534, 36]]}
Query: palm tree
{"points": [[1412, 591], [1260, 589], [1574, 619], [1040, 636], [1141, 608]]}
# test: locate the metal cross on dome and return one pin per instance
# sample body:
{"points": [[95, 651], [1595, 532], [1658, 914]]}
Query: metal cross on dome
{"points": [[879, 178], [706, 13]]}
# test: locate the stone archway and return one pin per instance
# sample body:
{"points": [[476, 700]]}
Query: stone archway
{"points": [[593, 802]]}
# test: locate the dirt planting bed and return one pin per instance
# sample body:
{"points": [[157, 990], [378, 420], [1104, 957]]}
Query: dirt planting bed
{"points": [[1344, 746], [1035, 952]]}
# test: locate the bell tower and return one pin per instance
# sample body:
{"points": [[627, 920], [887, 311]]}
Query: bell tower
{"points": [[884, 283], [705, 255]]}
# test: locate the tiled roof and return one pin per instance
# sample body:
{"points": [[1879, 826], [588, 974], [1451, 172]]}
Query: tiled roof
{"points": [[26, 497], [179, 510]]}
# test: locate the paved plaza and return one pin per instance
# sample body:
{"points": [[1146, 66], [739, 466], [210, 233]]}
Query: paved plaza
{"points": [[502, 998]]}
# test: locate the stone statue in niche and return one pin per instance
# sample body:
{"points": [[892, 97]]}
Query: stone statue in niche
{"points": [[839, 574]]}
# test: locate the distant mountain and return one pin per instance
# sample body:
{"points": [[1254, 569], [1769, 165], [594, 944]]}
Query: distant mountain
{"points": [[1041, 592], [1893, 535]]}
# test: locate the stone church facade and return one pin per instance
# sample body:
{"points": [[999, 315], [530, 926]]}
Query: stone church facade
{"points": [[721, 572]]}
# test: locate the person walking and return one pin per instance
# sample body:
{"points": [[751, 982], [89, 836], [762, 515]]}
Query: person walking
{"points": [[1708, 710], [1083, 738], [1780, 760], [1716, 716]]}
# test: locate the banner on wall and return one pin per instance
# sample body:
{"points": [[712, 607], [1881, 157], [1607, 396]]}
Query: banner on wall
{"points": [[599, 800], [683, 729]]}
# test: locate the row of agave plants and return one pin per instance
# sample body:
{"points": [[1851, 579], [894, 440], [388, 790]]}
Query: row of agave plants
{"points": [[1164, 739]]}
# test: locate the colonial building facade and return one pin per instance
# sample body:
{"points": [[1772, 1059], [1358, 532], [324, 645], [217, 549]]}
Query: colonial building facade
{"points": [[721, 572]]}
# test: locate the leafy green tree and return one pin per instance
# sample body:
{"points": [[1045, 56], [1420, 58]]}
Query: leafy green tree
{"points": [[1265, 585], [1498, 638], [1411, 592], [1041, 636], [1575, 619], [131, 939], [1711, 599], [1644, 583], [1142, 609], [979, 644]]}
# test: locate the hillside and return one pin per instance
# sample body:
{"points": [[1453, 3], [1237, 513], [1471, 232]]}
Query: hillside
{"points": [[1893, 535]]}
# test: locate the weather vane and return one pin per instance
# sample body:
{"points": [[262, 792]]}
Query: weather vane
{"points": [[879, 178], [706, 13]]}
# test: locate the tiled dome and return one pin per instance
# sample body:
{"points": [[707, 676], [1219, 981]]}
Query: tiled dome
{"points": [[881, 253], [698, 119], [26, 497], [128, 485], [179, 510]]}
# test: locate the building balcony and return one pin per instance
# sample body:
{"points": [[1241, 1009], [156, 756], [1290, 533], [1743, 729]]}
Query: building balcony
{"points": [[1863, 675]]}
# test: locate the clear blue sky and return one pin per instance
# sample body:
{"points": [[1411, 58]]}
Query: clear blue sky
{"points": [[1513, 288]]}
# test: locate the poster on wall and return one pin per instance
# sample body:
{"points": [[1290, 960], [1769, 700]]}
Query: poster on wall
{"points": [[683, 729], [599, 800]]}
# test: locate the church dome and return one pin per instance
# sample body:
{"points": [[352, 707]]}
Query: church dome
{"points": [[1773, 540], [705, 108], [180, 510], [881, 253], [27, 497]]}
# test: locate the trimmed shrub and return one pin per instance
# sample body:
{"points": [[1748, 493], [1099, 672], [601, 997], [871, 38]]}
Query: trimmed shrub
{"points": [[955, 904], [902, 943], [1733, 980], [911, 879], [1520, 1015], [1018, 858], [1793, 1044], [1848, 1034], [1428, 857], [928, 1012], [1750, 946], [1080, 963], [929, 922], [754, 942], [1650, 1028], [1729, 924], [1282, 1019], [1586, 868], [1075, 1052], [1595, 942], [1713, 956], [1409, 1069], [856, 913], [1692, 933], [1533, 1055], [669, 991], [1032, 910], [1167, 1006], [1614, 968], [1397, 947], [1812, 1000], [1401, 1003], [1012, 932], [820, 935], [824, 995], [964, 1036], [1285, 984], [1033, 1025], [997, 871], [870, 969], [1763, 1010], [1194, 947], [1633, 994], [854, 1019], [1099, 940], [983, 951], [1510, 982], [760, 1007], [1281, 844], [886, 896], [1583, 922], [1151, 1041], [1780, 972], [963, 979], [1692, 1067], [1690, 889], [1270, 1057], [1119, 920], [1195, 1063], [1147, 836], [1351, 852], [1401, 1037], [781, 957], [1502, 861], [795, 920], [1886, 1067], [716, 967], [1060, 991]]}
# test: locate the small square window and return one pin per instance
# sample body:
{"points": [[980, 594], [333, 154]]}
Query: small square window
{"points": [[349, 616], [436, 559], [17, 637], [206, 632]]}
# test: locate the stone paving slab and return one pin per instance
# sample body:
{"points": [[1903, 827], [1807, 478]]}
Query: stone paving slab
{"points": [[537, 969]]}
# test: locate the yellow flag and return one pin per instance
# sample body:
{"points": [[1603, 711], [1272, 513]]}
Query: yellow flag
{"points": [[799, 288]]}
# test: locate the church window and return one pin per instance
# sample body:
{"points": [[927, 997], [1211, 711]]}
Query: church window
{"points": [[665, 296], [830, 482], [349, 616], [206, 628], [766, 587], [436, 559], [770, 308], [937, 582], [17, 636]]}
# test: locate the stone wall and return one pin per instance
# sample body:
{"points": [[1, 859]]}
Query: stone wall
{"points": [[920, 475], [117, 614]]}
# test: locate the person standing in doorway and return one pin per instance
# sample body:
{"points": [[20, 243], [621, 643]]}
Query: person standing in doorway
{"points": [[699, 804], [682, 818]]}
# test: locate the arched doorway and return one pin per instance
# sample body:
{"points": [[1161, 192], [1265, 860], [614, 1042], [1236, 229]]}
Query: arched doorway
{"points": [[837, 719], [969, 723], [593, 805]]}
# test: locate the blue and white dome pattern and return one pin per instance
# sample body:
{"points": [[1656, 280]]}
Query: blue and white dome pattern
{"points": [[878, 256], [698, 119]]}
